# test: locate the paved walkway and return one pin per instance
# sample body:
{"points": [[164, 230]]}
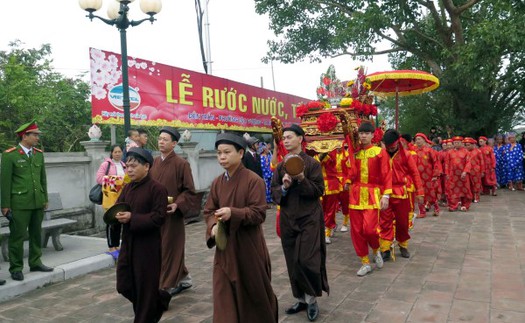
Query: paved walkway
{"points": [[81, 255], [464, 267]]}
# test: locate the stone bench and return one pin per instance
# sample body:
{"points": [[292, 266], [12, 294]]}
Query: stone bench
{"points": [[50, 227]]}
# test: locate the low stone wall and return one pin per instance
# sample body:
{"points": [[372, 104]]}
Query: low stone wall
{"points": [[73, 174]]}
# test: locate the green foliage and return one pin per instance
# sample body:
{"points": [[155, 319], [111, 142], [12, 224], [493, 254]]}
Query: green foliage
{"points": [[475, 48], [29, 88]]}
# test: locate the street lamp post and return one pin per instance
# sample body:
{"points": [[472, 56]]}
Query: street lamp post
{"points": [[118, 16]]}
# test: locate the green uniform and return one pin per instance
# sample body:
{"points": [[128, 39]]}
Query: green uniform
{"points": [[24, 191]]}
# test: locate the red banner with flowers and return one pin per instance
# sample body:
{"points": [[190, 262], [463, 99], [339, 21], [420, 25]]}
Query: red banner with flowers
{"points": [[162, 95]]}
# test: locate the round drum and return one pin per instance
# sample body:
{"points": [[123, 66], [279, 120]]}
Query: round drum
{"points": [[293, 164]]}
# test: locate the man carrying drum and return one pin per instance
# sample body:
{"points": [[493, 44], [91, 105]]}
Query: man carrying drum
{"points": [[298, 193]]}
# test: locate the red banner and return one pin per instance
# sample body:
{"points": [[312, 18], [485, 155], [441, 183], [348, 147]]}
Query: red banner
{"points": [[162, 95]]}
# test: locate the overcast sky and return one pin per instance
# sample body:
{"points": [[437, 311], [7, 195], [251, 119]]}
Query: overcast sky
{"points": [[238, 41]]}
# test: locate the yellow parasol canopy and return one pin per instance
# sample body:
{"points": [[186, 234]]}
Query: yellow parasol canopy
{"points": [[401, 83]]}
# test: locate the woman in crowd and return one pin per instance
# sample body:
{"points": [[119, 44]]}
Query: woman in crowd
{"points": [[110, 175], [266, 158], [513, 161], [500, 163]]}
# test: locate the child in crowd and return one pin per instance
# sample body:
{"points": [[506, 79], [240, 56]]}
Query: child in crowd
{"points": [[132, 139]]}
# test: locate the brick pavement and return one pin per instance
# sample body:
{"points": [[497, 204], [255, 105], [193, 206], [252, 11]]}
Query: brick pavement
{"points": [[467, 267]]}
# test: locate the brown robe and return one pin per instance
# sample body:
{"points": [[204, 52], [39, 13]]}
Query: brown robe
{"points": [[302, 229], [138, 266], [174, 172], [242, 289]]}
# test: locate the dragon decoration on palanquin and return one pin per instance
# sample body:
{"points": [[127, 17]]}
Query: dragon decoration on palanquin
{"points": [[331, 122]]}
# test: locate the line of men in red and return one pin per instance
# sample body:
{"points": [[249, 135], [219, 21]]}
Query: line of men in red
{"points": [[376, 187], [457, 175]]}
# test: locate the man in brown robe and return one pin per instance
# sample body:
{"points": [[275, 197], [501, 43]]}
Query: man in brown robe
{"points": [[242, 289], [138, 266], [302, 226], [173, 172]]}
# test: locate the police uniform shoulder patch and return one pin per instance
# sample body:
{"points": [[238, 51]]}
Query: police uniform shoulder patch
{"points": [[39, 150], [10, 150]]}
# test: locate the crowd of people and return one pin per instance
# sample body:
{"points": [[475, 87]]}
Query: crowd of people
{"points": [[379, 187], [509, 153], [509, 160]]}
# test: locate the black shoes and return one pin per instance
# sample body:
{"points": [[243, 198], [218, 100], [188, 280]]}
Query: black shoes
{"points": [[313, 312], [178, 289], [296, 308], [43, 268], [2, 282], [385, 255], [404, 252], [17, 275]]}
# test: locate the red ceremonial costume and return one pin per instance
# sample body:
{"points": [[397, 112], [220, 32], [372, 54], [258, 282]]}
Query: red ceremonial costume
{"points": [[412, 189], [334, 167], [477, 170], [341, 167], [442, 157], [489, 180], [405, 175], [371, 177], [332, 189], [429, 169], [458, 162]]}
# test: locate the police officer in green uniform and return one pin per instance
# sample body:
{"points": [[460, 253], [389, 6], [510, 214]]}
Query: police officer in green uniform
{"points": [[24, 196]]}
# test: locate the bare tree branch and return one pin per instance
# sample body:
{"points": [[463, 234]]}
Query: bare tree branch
{"points": [[388, 51], [449, 6], [455, 21], [200, 13], [381, 52], [434, 66], [396, 42], [422, 35], [334, 4], [466, 6], [439, 22]]}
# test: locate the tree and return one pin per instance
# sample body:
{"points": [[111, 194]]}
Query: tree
{"points": [[474, 47], [66, 115], [29, 88]]}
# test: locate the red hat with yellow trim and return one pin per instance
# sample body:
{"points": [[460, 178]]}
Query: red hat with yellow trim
{"points": [[482, 138], [422, 135], [457, 138], [30, 127], [469, 140]]}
